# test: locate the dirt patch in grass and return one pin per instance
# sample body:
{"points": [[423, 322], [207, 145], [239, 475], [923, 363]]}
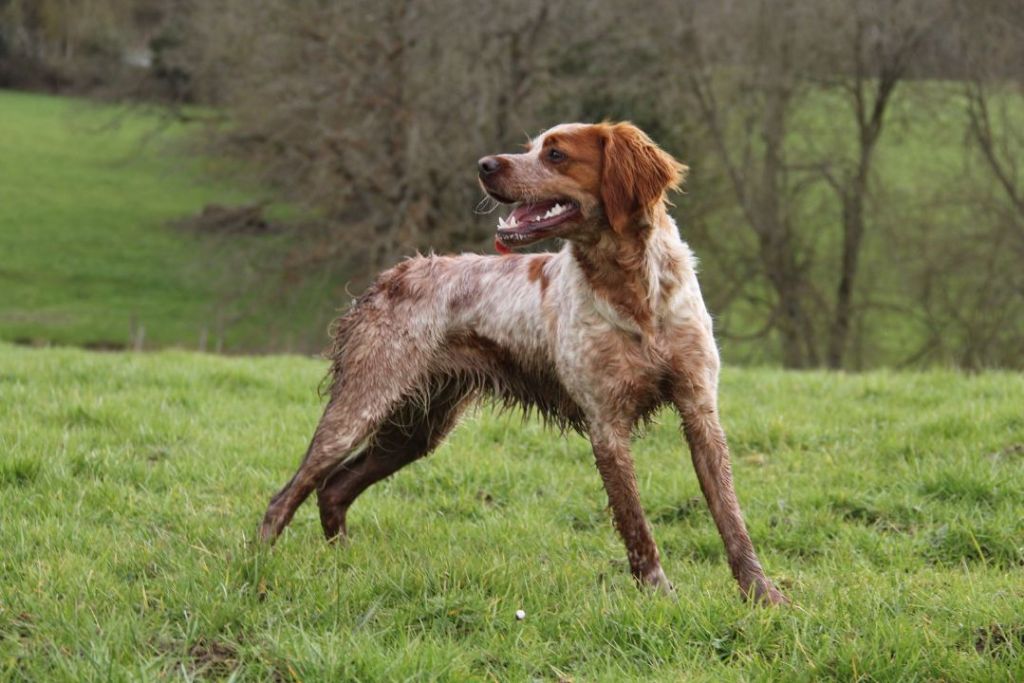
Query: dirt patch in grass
{"points": [[207, 658], [1013, 450], [854, 511], [213, 658], [997, 640]]}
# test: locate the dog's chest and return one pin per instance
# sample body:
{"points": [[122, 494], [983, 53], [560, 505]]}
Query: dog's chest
{"points": [[600, 362]]}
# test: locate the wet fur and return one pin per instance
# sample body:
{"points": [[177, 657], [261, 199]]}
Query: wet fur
{"points": [[594, 338]]}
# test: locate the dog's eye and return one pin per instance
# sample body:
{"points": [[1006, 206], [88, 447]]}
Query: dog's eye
{"points": [[555, 156]]}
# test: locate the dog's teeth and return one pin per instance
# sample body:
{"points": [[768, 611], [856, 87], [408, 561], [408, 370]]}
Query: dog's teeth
{"points": [[507, 222], [553, 211]]}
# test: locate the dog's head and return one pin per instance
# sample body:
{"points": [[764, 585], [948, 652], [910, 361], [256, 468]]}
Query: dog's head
{"points": [[576, 180]]}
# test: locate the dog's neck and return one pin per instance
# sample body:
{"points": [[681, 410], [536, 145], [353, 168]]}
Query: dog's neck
{"points": [[638, 270]]}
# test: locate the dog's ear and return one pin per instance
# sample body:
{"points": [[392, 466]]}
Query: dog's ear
{"points": [[635, 174]]}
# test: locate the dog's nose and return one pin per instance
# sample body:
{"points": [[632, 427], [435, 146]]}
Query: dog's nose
{"points": [[489, 165]]}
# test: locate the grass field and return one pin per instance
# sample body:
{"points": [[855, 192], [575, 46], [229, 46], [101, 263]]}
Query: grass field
{"points": [[888, 506], [86, 193]]}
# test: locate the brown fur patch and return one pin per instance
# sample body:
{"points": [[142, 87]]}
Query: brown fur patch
{"points": [[584, 161], [394, 283], [635, 174], [615, 272], [536, 271]]}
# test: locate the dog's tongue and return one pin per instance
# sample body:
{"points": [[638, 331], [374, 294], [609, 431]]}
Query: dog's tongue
{"points": [[500, 248], [524, 213]]}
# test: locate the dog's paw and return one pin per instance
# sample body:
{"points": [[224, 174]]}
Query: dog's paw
{"points": [[270, 528], [267, 535], [763, 592], [656, 581]]}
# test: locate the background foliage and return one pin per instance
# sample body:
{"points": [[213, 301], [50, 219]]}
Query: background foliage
{"points": [[856, 195]]}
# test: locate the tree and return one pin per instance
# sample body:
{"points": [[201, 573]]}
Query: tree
{"points": [[751, 95], [745, 92], [370, 112], [369, 116], [882, 38]]}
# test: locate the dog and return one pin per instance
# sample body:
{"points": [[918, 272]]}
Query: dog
{"points": [[595, 337]]}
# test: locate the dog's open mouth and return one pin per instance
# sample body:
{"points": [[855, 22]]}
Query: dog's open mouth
{"points": [[529, 223]]}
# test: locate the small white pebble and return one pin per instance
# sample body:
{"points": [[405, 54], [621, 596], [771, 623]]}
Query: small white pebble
{"points": [[520, 615]]}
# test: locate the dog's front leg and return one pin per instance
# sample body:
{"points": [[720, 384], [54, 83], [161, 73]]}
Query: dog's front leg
{"points": [[697, 406], [615, 463]]}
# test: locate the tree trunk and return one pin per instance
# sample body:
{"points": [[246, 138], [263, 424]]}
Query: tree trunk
{"points": [[776, 240], [853, 234]]}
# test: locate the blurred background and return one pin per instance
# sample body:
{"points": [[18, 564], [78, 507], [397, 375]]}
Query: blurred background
{"points": [[225, 176]]}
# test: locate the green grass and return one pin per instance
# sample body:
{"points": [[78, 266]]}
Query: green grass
{"points": [[886, 505], [86, 192]]}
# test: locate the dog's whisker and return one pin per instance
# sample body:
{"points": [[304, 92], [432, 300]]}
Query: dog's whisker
{"points": [[486, 205]]}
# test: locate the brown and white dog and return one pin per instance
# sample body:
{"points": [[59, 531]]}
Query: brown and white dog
{"points": [[595, 337]]}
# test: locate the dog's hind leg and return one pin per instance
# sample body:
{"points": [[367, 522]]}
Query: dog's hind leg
{"points": [[365, 395], [413, 431], [384, 353], [344, 428]]}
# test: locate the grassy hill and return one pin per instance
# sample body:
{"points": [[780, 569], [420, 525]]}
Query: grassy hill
{"points": [[886, 505], [86, 194]]}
